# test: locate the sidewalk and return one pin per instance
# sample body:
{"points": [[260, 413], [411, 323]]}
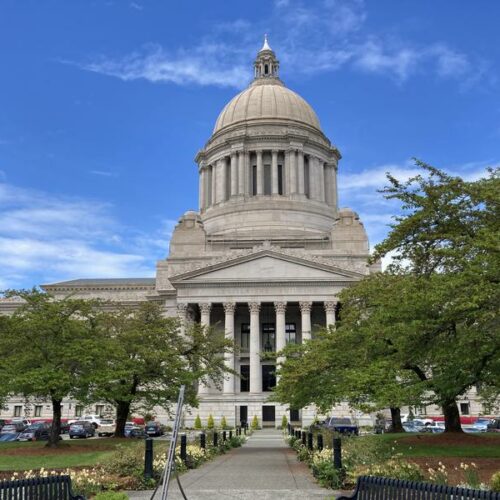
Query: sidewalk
{"points": [[264, 468]]}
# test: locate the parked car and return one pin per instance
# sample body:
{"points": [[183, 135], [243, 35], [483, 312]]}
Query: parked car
{"points": [[81, 428], [342, 425], [494, 425], [134, 431], [95, 420], [35, 432], [407, 418], [8, 437], [481, 424], [13, 428], [154, 429], [107, 427]]}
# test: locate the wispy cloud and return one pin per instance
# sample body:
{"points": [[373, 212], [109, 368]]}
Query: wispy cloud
{"points": [[46, 238], [104, 173], [136, 6]]}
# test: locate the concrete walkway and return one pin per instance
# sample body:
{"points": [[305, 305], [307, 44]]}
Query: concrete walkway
{"points": [[264, 468]]}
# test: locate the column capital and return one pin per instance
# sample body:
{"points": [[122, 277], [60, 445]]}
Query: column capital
{"points": [[254, 307], [330, 305], [233, 154], [280, 307], [205, 307], [229, 307], [305, 307]]}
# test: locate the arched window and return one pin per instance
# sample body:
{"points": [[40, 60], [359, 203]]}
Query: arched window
{"points": [[266, 69]]}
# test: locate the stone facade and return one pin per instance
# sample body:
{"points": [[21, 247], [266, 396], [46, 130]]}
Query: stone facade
{"points": [[267, 253]]}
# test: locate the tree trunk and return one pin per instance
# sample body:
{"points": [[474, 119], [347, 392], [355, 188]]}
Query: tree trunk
{"points": [[451, 416], [55, 429], [396, 425], [122, 412]]}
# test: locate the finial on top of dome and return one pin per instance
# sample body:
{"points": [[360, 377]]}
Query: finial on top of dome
{"points": [[266, 44]]}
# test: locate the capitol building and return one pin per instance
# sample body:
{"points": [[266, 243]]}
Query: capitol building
{"points": [[266, 254]]}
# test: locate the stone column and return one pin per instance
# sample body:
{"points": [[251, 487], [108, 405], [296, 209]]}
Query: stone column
{"points": [[214, 184], [280, 308], [313, 171], [255, 368], [300, 172], [241, 173], [321, 180], [248, 169], [234, 174], [203, 387], [305, 309], [292, 171], [260, 174], [222, 189], [335, 187], [274, 173], [201, 188], [330, 312], [229, 308], [182, 315]]}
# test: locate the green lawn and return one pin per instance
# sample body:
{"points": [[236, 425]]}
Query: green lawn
{"points": [[75, 453], [440, 445]]}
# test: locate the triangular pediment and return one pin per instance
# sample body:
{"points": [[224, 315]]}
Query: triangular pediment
{"points": [[267, 266]]}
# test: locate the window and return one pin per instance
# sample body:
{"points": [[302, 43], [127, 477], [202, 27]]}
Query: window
{"points": [[268, 378], [280, 179], [38, 411], [266, 69], [17, 411], [294, 415], [291, 333], [465, 408], [245, 378], [268, 337], [99, 410], [245, 337], [254, 180], [78, 410]]}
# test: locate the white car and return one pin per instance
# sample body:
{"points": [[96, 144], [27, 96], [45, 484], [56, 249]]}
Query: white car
{"points": [[95, 420]]}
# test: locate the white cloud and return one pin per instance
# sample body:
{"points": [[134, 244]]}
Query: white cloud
{"points": [[103, 173], [45, 238], [136, 6]]}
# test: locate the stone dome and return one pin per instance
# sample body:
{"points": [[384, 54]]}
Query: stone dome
{"points": [[267, 99]]}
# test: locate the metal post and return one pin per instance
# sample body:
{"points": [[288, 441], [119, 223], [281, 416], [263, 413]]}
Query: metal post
{"points": [[245, 430], [230, 435], [337, 453], [148, 459], [223, 436], [320, 442], [310, 440], [304, 438], [184, 448], [203, 441], [216, 439]]}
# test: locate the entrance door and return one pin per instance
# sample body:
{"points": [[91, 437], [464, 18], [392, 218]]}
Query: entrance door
{"points": [[268, 415], [243, 415]]}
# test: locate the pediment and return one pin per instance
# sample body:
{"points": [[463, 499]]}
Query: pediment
{"points": [[267, 266]]}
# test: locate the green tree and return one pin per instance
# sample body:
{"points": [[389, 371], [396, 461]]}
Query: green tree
{"points": [[48, 348], [255, 423], [284, 421], [223, 423], [197, 422], [210, 422], [146, 360]]}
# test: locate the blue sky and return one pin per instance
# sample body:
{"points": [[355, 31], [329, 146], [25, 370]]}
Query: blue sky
{"points": [[104, 104]]}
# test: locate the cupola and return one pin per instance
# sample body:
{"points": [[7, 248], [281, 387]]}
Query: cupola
{"points": [[266, 64]]}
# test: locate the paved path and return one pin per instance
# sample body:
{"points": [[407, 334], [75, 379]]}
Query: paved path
{"points": [[264, 468]]}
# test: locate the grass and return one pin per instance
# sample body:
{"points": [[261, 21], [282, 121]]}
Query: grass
{"points": [[76, 453], [441, 445]]}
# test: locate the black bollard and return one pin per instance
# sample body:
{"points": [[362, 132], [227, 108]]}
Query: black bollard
{"points": [[304, 438], [320, 442], [148, 459], [223, 436], [245, 430], [183, 447], [310, 440], [297, 434], [216, 440], [337, 453], [203, 441], [230, 435]]}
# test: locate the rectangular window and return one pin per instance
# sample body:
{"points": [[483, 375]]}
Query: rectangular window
{"points": [[280, 179], [17, 411], [465, 408], [268, 337], [268, 378], [291, 333], [245, 336], [254, 180], [307, 189], [78, 410], [38, 411], [99, 410], [245, 378], [294, 415]]}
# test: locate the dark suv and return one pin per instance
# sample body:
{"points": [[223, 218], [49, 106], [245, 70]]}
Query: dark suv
{"points": [[81, 428], [154, 429], [35, 432]]}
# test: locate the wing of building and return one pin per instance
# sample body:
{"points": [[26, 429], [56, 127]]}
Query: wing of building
{"points": [[269, 249]]}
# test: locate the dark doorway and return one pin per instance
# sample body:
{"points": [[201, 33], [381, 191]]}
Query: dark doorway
{"points": [[268, 378], [294, 415], [268, 414], [243, 415], [245, 378]]}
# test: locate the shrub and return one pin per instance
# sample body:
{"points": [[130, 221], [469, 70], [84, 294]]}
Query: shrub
{"points": [[284, 421], [255, 423], [210, 422], [223, 423], [111, 495], [125, 461], [495, 482], [197, 422]]}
